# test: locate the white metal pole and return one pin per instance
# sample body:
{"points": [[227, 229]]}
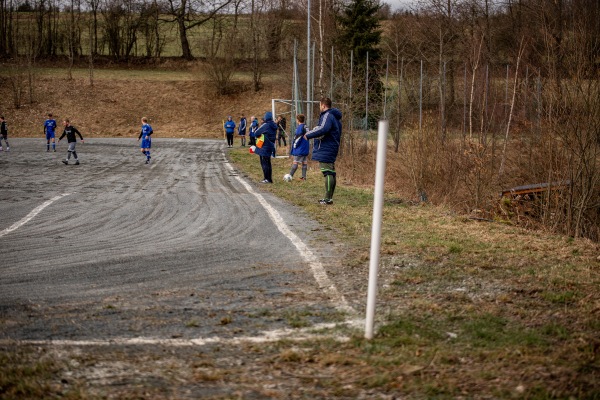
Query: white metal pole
{"points": [[308, 68], [376, 229], [273, 114], [312, 80], [294, 77]]}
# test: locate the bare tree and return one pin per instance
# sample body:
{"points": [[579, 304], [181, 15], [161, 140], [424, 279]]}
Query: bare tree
{"points": [[255, 22], [122, 23], [220, 60], [188, 14]]}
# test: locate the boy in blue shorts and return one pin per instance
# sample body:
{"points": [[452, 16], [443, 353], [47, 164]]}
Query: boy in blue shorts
{"points": [[300, 148], [49, 128], [146, 139]]}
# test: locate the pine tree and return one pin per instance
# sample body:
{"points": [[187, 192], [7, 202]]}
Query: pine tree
{"points": [[359, 31]]}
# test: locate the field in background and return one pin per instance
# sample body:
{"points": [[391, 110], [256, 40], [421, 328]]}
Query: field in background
{"points": [[175, 96]]}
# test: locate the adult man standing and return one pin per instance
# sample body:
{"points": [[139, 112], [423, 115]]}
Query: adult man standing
{"points": [[326, 145], [70, 132]]}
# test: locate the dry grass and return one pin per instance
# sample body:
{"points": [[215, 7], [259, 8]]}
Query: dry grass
{"points": [[466, 309]]}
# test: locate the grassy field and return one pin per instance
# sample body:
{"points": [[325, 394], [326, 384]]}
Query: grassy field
{"points": [[466, 308]]}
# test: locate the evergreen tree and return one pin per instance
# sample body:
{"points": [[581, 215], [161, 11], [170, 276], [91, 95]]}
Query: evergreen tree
{"points": [[359, 31]]}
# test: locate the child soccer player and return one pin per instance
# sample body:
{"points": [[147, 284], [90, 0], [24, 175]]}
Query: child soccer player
{"points": [[70, 132], [146, 139], [229, 127], [253, 129], [300, 148], [281, 126], [49, 127], [4, 133], [242, 130]]}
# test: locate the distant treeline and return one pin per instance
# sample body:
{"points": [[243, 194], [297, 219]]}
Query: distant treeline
{"points": [[432, 29]]}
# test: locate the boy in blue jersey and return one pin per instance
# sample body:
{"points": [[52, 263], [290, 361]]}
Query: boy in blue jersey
{"points": [[242, 130], [269, 129], [49, 128], [300, 148], [146, 139], [229, 127]]}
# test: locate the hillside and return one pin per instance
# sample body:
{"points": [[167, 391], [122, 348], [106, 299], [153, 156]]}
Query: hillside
{"points": [[178, 101]]}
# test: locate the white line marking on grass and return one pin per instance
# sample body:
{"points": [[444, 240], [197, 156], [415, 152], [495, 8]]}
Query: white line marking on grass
{"points": [[263, 337], [317, 268], [31, 215]]}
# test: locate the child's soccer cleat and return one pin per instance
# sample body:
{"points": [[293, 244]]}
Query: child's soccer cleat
{"points": [[326, 201], [65, 162], [77, 162]]}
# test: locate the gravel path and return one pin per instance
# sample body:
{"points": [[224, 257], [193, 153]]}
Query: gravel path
{"points": [[114, 249]]}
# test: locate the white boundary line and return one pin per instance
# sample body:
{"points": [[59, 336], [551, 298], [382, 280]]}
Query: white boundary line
{"points": [[31, 215], [317, 268], [263, 337]]}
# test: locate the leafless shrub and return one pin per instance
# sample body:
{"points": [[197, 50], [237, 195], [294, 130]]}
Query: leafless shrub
{"points": [[18, 83]]}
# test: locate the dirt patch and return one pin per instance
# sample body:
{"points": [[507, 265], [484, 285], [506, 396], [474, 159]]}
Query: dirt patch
{"points": [[176, 107]]}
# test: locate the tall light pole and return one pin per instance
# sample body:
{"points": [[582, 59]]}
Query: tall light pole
{"points": [[308, 70]]}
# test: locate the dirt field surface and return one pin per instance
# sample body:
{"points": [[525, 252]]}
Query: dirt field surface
{"points": [[178, 103], [155, 280]]}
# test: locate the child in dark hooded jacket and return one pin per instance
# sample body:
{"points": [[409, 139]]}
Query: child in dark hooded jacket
{"points": [[269, 130]]}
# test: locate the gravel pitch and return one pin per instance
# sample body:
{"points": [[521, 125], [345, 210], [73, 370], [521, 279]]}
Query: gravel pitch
{"points": [[177, 249]]}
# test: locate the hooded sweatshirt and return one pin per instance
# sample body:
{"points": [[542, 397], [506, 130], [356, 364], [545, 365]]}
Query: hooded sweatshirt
{"points": [[269, 129], [327, 136]]}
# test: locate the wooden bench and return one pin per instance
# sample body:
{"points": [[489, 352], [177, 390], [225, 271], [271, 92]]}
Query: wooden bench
{"points": [[534, 189]]}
